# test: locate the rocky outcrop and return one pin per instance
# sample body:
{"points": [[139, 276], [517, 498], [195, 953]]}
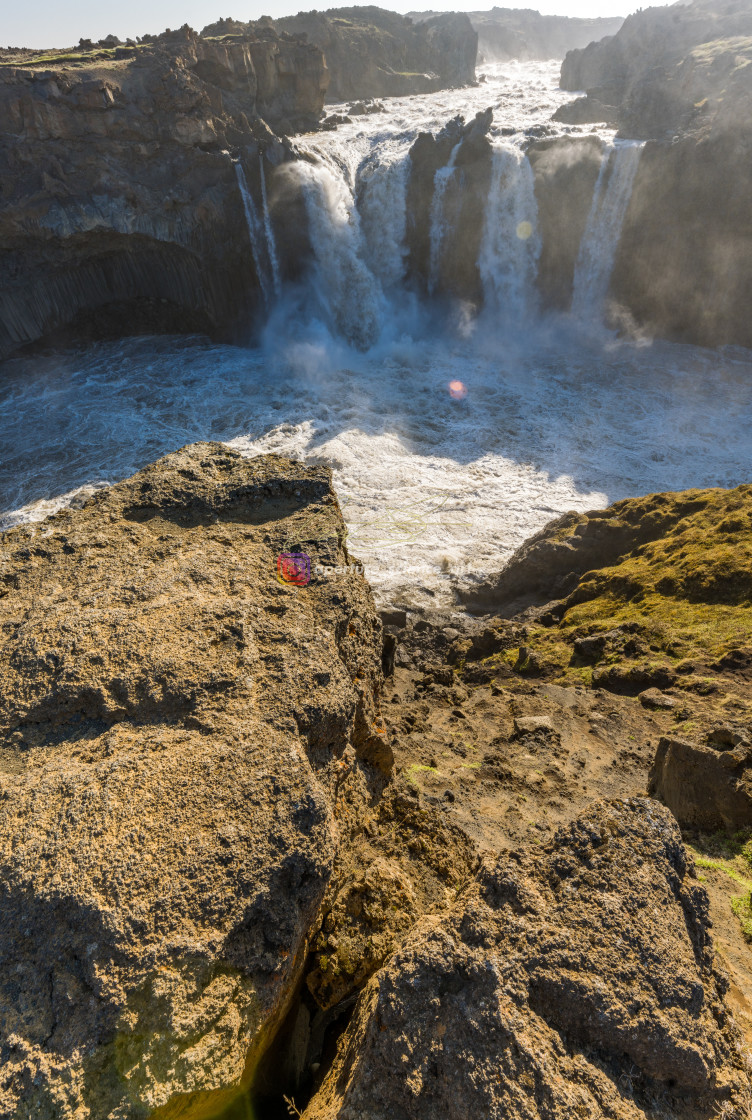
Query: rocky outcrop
{"points": [[456, 166], [507, 33], [184, 740], [566, 171], [578, 980], [371, 52], [121, 210], [684, 263], [707, 786], [671, 68]]}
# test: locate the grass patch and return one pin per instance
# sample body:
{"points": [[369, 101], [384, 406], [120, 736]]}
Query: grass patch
{"points": [[683, 584], [416, 768], [731, 855]]}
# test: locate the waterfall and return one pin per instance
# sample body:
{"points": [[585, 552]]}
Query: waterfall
{"points": [[344, 287], [271, 245], [383, 217], [511, 244], [600, 241], [440, 184], [256, 234]]}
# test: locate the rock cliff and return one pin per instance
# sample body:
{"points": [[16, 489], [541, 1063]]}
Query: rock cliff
{"points": [[235, 856], [183, 740], [120, 206], [671, 68], [572, 981], [506, 33], [376, 53], [466, 149], [680, 77]]}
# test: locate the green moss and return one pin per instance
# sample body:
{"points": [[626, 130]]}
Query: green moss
{"points": [[688, 590], [74, 58], [731, 855], [412, 772]]}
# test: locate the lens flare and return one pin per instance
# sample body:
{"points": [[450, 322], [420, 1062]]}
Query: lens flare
{"points": [[457, 390], [525, 230]]}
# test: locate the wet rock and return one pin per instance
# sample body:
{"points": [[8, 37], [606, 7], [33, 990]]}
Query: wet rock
{"points": [[598, 944], [705, 787], [456, 273], [181, 727], [152, 246]]}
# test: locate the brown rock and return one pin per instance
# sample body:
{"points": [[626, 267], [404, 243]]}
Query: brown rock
{"points": [[579, 980], [174, 723], [705, 787], [654, 698]]}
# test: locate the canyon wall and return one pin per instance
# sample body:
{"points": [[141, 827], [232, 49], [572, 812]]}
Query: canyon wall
{"points": [[680, 78], [120, 205], [375, 53]]}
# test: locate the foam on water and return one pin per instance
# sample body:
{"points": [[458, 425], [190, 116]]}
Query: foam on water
{"points": [[427, 483], [433, 488]]}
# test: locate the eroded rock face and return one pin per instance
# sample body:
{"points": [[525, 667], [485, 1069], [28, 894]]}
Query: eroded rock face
{"points": [[670, 68], [705, 785], [462, 153], [121, 211], [579, 980], [376, 53], [566, 171], [680, 77], [176, 726]]}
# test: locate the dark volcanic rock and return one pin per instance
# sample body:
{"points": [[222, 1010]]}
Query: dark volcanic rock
{"points": [[176, 727], [120, 206], [681, 75], [671, 67], [376, 53], [579, 980], [684, 265], [566, 171], [465, 193]]}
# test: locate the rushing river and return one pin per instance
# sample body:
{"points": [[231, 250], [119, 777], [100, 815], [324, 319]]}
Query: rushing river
{"points": [[452, 439]]}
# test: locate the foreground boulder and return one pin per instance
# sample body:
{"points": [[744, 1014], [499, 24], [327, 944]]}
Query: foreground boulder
{"points": [[176, 725], [574, 981]]}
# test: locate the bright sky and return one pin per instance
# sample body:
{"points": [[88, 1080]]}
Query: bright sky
{"points": [[50, 23]]}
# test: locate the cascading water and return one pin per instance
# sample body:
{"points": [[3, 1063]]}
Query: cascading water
{"points": [[383, 218], [256, 234], [511, 244], [432, 487], [271, 245], [344, 289], [440, 184], [595, 261]]}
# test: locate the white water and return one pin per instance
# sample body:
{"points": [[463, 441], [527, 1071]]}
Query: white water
{"points": [[255, 233], [433, 489], [271, 245], [440, 184], [511, 244], [595, 262]]}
